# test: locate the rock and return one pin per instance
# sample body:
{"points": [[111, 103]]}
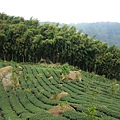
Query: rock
{"points": [[58, 96], [1, 76], [20, 68], [57, 110], [61, 95], [74, 75], [20, 72], [51, 77], [6, 75]]}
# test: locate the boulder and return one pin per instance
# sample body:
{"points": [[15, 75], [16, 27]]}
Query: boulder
{"points": [[61, 95], [59, 109], [74, 75], [6, 75], [58, 96], [5, 72]]}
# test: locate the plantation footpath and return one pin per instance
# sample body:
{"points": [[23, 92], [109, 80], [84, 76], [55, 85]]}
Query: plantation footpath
{"points": [[35, 89]]}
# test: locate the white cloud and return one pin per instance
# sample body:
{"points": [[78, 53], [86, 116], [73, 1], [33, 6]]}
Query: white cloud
{"points": [[67, 11]]}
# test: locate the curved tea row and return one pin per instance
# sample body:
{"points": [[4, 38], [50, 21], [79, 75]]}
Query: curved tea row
{"points": [[32, 98]]}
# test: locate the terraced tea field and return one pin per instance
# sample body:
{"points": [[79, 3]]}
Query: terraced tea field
{"points": [[93, 98]]}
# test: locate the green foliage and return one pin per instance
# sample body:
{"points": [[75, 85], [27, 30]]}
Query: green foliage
{"points": [[32, 99], [28, 41], [27, 90], [114, 87], [65, 69], [40, 75], [91, 113]]}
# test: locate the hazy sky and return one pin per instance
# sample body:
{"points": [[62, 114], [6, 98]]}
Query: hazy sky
{"points": [[64, 11]]}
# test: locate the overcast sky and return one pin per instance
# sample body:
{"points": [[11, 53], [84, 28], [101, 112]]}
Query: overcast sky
{"points": [[64, 11]]}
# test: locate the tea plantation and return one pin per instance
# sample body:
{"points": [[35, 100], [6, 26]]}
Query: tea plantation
{"points": [[93, 98]]}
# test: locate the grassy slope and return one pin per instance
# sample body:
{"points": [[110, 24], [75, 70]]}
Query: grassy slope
{"points": [[95, 97]]}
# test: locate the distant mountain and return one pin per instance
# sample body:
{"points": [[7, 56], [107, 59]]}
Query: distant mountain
{"points": [[103, 31]]}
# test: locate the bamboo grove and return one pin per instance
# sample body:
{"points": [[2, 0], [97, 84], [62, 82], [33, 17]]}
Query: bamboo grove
{"points": [[28, 41]]}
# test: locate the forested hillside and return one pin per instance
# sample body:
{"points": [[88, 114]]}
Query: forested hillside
{"points": [[104, 31], [28, 41]]}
